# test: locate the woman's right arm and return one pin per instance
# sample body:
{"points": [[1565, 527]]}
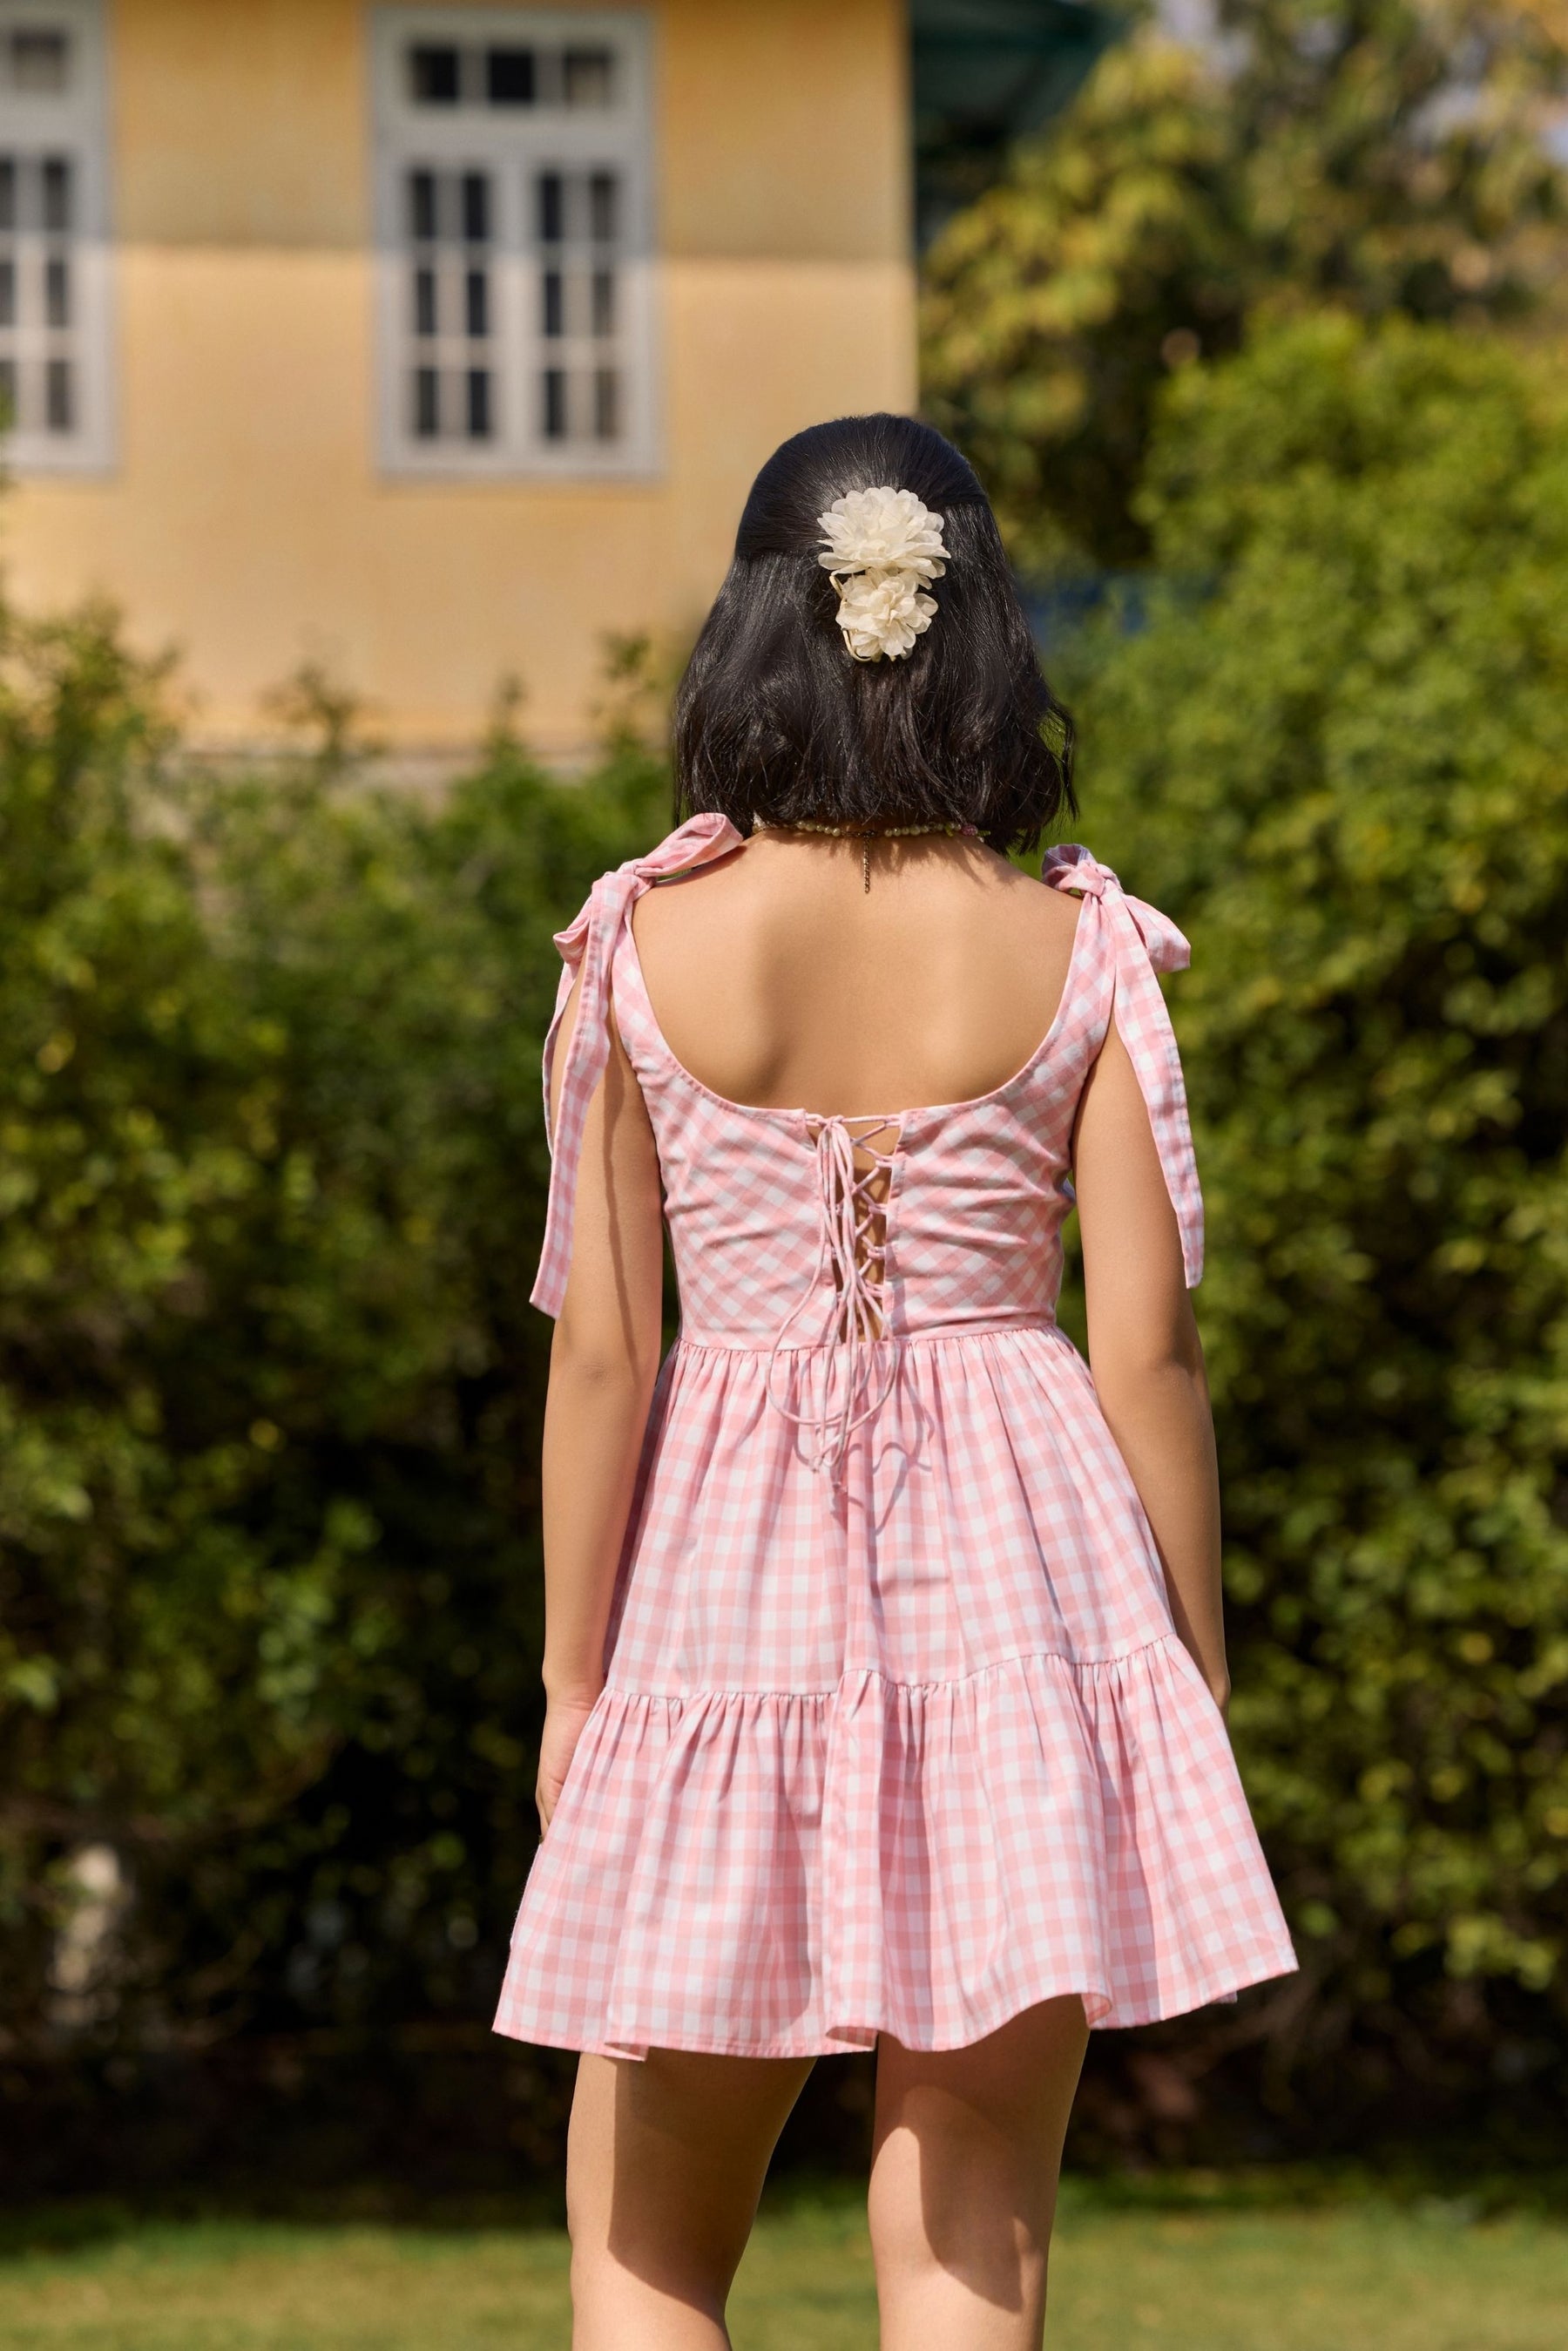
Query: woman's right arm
{"points": [[1145, 1351], [603, 1364]]}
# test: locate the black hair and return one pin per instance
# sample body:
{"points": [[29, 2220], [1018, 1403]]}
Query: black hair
{"points": [[775, 719]]}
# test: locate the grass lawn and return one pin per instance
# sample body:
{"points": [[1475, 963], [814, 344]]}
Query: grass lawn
{"points": [[1352, 2277]]}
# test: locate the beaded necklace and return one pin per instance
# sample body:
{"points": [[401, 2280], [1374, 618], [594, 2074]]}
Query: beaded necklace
{"points": [[867, 833]]}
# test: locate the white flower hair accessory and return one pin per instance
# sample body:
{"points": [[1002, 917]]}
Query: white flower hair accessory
{"points": [[881, 547]]}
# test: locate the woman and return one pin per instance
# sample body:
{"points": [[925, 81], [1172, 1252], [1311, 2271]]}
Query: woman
{"points": [[884, 1658]]}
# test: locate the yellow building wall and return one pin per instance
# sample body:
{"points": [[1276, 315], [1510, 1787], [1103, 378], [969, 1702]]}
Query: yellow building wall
{"points": [[245, 521]]}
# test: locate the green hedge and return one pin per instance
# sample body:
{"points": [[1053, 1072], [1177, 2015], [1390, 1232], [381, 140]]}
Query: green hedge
{"points": [[270, 1165], [1344, 770]]}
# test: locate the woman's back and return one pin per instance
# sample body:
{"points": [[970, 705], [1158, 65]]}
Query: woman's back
{"points": [[779, 979], [933, 1199]]}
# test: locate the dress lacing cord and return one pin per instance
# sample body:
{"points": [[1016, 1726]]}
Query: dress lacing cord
{"points": [[850, 1248]]}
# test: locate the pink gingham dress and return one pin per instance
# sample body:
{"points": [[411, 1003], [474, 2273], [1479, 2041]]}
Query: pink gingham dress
{"points": [[897, 1734]]}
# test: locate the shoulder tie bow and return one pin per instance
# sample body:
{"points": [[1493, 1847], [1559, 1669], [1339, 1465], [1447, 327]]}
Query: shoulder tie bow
{"points": [[587, 948], [1144, 941]]}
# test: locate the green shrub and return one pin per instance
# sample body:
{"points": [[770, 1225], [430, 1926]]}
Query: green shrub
{"points": [[1342, 770], [271, 1162], [1189, 191]]}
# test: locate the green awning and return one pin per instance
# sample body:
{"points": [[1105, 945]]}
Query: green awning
{"points": [[985, 74]]}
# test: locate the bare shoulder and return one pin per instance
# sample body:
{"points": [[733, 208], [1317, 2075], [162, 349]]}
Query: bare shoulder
{"points": [[1047, 917], [767, 889], [719, 891]]}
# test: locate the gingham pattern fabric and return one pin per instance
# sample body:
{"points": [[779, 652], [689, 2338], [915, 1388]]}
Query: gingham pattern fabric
{"points": [[1141, 942], [586, 948], [904, 1740]]}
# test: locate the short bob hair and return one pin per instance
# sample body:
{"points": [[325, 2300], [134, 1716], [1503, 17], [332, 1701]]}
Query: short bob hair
{"points": [[776, 721]]}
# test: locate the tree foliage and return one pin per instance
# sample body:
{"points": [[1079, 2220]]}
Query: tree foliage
{"points": [[271, 1169], [1382, 155], [1341, 768], [270, 1166]]}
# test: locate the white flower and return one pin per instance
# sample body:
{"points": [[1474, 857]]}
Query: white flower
{"points": [[881, 546], [882, 613], [882, 530]]}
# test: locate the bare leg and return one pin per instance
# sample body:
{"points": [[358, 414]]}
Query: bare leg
{"points": [[665, 2162], [966, 2156]]}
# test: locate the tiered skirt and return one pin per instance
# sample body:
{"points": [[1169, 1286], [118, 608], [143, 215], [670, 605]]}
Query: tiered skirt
{"points": [[905, 1752]]}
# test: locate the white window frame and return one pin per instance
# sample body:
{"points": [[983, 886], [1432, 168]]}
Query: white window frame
{"points": [[74, 123], [513, 147]]}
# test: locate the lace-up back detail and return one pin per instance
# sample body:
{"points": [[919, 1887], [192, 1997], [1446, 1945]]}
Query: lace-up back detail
{"points": [[854, 1172], [854, 1160]]}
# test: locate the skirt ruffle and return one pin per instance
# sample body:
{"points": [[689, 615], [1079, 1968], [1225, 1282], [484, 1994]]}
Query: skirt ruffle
{"points": [[776, 1873]]}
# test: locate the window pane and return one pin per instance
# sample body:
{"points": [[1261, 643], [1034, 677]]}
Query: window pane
{"points": [[57, 292], [39, 59], [478, 404], [423, 206], [587, 76], [509, 76], [603, 206], [7, 192], [59, 403], [607, 404], [465, 312], [427, 403], [7, 292], [56, 191], [435, 74]]}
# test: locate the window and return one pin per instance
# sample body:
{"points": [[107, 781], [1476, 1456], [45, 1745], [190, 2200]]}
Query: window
{"points": [[515, 307], [54, 256]]}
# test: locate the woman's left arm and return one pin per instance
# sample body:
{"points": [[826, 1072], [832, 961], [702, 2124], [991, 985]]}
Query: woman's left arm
{"points": [[604, 1361], [1145, 1351]]}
